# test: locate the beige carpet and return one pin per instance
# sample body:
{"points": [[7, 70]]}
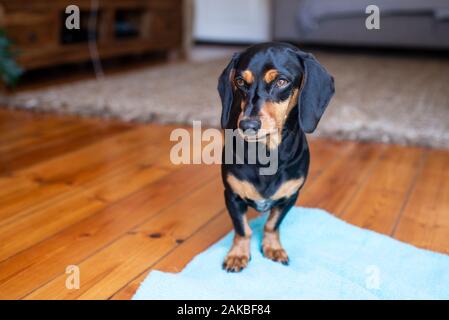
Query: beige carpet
{"points": [[381, 98]]}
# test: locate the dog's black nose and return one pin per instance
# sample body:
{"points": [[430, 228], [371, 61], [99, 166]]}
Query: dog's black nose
{"points": [[250, 125]]}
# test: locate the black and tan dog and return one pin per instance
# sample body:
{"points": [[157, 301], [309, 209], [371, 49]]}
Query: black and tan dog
{"points": [[274, 93]]}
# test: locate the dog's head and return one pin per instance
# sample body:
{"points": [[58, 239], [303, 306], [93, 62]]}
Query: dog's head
{"points": [[262, 85]]}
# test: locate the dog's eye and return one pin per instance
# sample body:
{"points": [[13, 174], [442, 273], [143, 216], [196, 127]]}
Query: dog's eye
{"points": [[281, 83], [240, 82]]}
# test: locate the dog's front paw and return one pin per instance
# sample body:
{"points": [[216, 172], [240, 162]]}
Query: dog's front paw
{"points": [[275, 254], [235, 263], [272, 248]]}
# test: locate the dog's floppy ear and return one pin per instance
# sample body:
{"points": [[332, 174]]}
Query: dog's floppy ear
{"points": [[226, 91], [317, 89]]}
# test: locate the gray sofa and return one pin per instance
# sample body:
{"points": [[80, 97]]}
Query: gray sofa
{"points": [[403, 23]]}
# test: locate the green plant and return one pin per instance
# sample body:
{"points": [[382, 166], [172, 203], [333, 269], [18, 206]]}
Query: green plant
{"points": [[9, 70]]}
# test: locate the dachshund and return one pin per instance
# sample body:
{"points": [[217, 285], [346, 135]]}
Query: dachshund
{"points": [[271, 93]]}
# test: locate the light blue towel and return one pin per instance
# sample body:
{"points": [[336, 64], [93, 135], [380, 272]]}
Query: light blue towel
{"points": [[329, 259]]}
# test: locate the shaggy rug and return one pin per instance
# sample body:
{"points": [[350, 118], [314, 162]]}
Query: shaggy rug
{"points": [[378, 97]]}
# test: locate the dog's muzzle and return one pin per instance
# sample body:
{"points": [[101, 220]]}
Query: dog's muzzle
{"points": [[250, 126]]}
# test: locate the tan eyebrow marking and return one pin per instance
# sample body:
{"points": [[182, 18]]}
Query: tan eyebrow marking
{"points": [[270, 75], [248, 76]]}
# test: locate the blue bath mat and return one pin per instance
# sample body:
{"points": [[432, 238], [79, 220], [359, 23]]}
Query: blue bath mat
{"points": [[329, 259]]}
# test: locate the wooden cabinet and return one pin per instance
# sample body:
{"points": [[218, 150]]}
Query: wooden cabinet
{"points": [[31, 31], [164, 27], [38, 30]]}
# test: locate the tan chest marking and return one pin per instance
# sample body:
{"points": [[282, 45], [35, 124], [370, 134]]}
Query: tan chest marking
{"points": [[288, 188], [247, 190], [244, 189]]}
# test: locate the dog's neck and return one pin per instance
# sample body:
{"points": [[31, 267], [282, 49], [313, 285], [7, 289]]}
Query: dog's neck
{"points": [[292, 137], [293, 142]]}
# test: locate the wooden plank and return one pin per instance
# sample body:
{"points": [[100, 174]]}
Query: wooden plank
{"points": [[30, 130], [16, 139], [24, 195], [178, 258], [323, 153], [12, 184], [32, 268], [44, 220], [47, 191], [17, 130], [110, 269], [44, 147], [334, 188], [86, 165], [378, 202], [69, 165], [16, 122], [425, 220]]}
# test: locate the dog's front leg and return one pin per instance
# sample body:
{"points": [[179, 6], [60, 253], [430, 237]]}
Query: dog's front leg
{"points": [[239, 254], [271, 243]]}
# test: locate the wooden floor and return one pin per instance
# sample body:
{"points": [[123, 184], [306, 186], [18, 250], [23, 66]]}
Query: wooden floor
{"points": [[105, 197]]}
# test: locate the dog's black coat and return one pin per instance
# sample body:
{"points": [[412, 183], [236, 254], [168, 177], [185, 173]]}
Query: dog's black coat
{"points": [[315, 87]]}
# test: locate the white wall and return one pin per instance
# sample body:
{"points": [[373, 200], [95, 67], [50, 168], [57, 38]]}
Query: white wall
{"points": [[232, 20]]}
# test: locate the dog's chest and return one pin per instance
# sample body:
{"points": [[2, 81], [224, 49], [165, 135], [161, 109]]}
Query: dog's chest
{"points": [[264, 199], [262, 205]]}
